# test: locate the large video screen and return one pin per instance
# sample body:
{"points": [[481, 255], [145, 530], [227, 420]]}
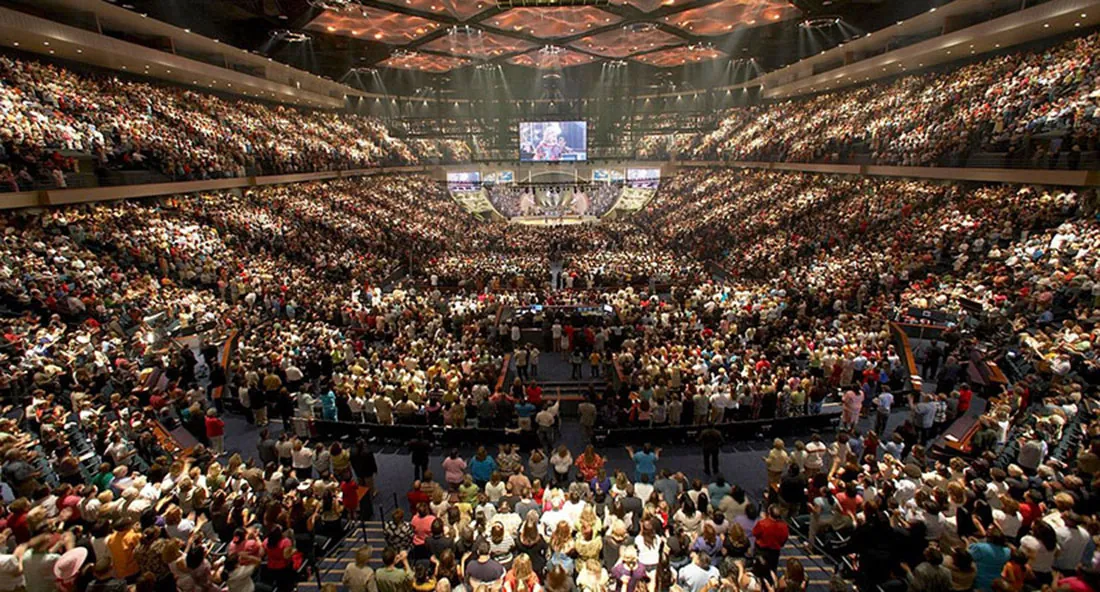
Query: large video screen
{"points": [[553, 141], [465, 181]]}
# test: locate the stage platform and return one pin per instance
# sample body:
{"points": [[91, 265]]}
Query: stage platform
{"points": [[553, 221]]}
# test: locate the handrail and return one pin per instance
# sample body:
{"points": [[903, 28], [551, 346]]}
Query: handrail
{"points": [[56, 197]]}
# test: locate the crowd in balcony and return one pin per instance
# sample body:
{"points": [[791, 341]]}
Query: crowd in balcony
{"points": [[1038, 108], [53, 120]]}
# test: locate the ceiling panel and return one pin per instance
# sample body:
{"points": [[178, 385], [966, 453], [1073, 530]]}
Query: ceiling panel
{"points": [[364, 22], [647, 5], [722, 17], [544, 60], [552, 23], [626, 41], [460, 9], [475, 43], [423, 62], [679, 56]]}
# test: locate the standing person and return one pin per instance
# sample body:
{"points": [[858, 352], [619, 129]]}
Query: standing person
{"points": [[587, 411], [359, 576], [645, 462], [453, 469], [521, 359], [815, 455], [776, 462], [589, 463], [391, 577], [420, 450], [533, 361], [546, 420], [711, 441], [925, 411], [364, 463], [278, 550], [576, 359], [482, 466], [883, 404], [215, 431], [770, 534], [851, 404], [562, 461]]}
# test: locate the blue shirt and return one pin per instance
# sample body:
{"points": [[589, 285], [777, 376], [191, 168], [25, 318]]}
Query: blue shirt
{"points": [[716, 493], [525, 409], [989, 560], [645, 462], [693, 578], [481, 470]]}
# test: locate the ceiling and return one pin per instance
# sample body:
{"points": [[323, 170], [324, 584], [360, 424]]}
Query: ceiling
{"points": [[406, 43]]}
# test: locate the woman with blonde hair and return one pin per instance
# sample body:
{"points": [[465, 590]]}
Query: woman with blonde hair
{"points": [[359, 576], [593, 577], [521, 575], [589, 518], [776, 462], [587, 543]]}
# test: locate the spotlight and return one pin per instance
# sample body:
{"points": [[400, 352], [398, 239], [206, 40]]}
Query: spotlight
{"points": [[616, 63], [331, 4], [289, 36], [463, 30], [821, 22], [551, 50]]}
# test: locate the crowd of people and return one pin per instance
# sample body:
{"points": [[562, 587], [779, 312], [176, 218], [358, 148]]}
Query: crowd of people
{"points": [[736, 294], [587, 199], [1037, 106], [52, 116]]}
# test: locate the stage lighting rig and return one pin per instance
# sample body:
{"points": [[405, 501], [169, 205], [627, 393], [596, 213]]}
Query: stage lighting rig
{"points": [[551, 50], [332, 4], [506, 4], [820, 22], [289, 36]]}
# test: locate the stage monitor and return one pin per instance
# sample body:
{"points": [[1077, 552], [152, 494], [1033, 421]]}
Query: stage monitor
{"points": [[467, 181], [643, 177], [553, 141]]}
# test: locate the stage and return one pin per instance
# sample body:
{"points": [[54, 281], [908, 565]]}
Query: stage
{"points": [[553, 220]]}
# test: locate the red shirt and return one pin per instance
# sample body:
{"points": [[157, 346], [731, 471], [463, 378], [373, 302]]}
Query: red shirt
{"points": [[416, 496], [350, 489], [771, 534], [276, 558], [964, 400], [534, 394], [214, 427]]}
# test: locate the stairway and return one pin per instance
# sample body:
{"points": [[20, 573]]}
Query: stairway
{"points": [[330, 569], [819, 570]]}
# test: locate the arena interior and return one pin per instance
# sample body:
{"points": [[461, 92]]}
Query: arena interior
{"points": [[549, 295]]}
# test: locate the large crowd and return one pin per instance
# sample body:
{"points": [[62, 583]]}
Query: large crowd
{"points": [[736, 295], [300, 278], [1038, 107], [53, 117]]}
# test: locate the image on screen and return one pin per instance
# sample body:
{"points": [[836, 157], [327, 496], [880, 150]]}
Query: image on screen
{"points": [[643, 177], [470, 181], [553, 141]]}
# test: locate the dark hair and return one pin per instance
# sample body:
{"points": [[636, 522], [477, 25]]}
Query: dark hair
{"points": [[388, 556], [196, 556]]}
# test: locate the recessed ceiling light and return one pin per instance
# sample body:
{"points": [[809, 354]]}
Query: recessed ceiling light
{"points": [[16, 44], [46, 43], [80, 51]]}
